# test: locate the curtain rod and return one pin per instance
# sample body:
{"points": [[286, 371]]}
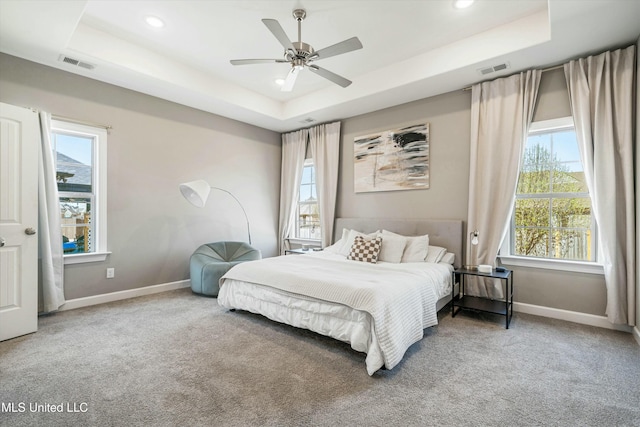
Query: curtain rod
{"points": [[81, 122], [544, 70]]}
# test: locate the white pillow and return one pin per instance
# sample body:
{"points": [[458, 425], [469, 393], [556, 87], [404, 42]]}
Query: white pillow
{"points": [[435, 253], [351, 237], [416, 248], [448, 258], [392, 247], [337, 246]]}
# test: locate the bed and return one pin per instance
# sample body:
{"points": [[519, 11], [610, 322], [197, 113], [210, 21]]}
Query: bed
{"points": [[380, 309]]}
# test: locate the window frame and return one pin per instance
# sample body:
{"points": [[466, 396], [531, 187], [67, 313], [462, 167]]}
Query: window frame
{"points": [[505, 254], [99, 186], [303, 240]]}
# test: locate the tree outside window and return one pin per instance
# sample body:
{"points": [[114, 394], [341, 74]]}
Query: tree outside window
{"points": [[552, 216]]}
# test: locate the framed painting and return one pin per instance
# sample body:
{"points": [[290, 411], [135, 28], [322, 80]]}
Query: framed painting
{"points": [[392, 160]]}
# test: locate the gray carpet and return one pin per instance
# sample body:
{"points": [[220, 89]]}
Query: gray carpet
{"points": [[178, 359]]}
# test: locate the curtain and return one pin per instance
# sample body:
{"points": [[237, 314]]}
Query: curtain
{"points": [[324, 141], [601, 97], [49, 230], [294, 145], [501, 112]]}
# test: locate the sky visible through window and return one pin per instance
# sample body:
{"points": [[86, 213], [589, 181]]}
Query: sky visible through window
{"points": [[76, 147], [563, 145], [307, 190]]}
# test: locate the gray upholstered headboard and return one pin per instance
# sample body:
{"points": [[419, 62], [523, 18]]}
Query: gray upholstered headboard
{"points": [[442, 232]]}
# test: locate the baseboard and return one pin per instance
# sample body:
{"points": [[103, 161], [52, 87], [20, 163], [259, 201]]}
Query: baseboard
{"points": [[120, 295], [537, 310], [570, 316], [636, 334]]}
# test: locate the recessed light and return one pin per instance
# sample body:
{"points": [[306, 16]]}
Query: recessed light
{"points": [[462, 4], [279, 82], [154, 21]]}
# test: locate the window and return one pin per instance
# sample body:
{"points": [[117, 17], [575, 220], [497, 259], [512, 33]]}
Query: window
{"points": [[552, 214], [79, 153], [308, 219]]}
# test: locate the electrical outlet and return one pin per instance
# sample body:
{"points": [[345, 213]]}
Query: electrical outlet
{"points": [[111, 273]]}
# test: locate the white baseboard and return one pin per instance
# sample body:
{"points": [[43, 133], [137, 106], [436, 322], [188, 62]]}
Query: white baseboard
{"points": [[636, 334], [537, 310], [120, 295], [570, 316]]}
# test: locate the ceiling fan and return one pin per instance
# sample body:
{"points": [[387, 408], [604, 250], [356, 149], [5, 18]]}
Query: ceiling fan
{"points": [[301, 55]]}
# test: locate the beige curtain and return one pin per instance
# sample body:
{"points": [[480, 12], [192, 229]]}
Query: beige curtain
{"points": [[501, 112], [602, 103], [294, 145], [50, 254], [324, 141]]}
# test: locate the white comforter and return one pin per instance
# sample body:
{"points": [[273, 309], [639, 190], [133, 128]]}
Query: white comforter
{"points": [[401, 298]]}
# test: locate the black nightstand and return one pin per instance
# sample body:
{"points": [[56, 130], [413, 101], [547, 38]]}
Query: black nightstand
{"points": [[466, 302]]}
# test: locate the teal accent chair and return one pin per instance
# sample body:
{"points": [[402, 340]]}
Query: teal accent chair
{"points": [[212, 260]]}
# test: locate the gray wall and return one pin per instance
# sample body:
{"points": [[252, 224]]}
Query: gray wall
{"points": [[448, 116], [154, 146], [447, 197], [637, 171]]}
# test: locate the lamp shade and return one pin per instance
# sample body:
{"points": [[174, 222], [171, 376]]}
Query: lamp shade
{"points": [[196, 192]]}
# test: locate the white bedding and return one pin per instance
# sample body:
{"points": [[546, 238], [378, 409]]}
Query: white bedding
{"points": [[380, 309]]}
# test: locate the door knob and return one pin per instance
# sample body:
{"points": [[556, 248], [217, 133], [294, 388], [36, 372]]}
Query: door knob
{"points": [[2, 242], [30, 231]]}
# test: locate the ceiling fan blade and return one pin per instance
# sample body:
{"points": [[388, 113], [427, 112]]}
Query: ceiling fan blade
{"points": [[290, 80], [256, 61], [337, 49], [276, 29], [339, 80]]}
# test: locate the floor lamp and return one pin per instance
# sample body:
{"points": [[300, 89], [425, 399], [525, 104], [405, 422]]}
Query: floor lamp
{"points": [[197, 192]]}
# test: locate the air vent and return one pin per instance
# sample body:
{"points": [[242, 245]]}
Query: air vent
{"points": [[308, 120], [76, 62], [493, 69]]}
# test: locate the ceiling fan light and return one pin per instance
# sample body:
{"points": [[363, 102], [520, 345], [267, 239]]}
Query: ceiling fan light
{"points": [[462, 4], [154, 21]]}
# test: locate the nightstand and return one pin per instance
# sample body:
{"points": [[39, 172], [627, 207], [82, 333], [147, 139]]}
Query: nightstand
{"points": [[299, 251], [466, 302]]}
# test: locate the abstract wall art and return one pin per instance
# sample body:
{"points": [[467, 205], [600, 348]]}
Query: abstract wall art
{"points": [[392, 160]]}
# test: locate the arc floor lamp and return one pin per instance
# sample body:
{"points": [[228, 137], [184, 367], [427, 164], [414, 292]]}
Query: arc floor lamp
{"points": [[197, 192]]}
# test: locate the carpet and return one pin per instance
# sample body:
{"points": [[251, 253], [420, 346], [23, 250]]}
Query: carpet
{"points": [[180, 359]]}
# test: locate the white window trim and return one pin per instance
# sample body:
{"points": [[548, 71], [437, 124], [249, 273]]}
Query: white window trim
{"points": [[552, 264], [83, 258], [301, 240], [551, 124], [100, 182], [589, 267]]}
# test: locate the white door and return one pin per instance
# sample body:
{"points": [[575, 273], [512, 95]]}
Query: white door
{"points": [[19, 136]]}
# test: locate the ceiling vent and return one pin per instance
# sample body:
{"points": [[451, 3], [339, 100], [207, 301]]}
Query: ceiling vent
{"points": [[493, 69], [308, 120], [76, 62]]}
